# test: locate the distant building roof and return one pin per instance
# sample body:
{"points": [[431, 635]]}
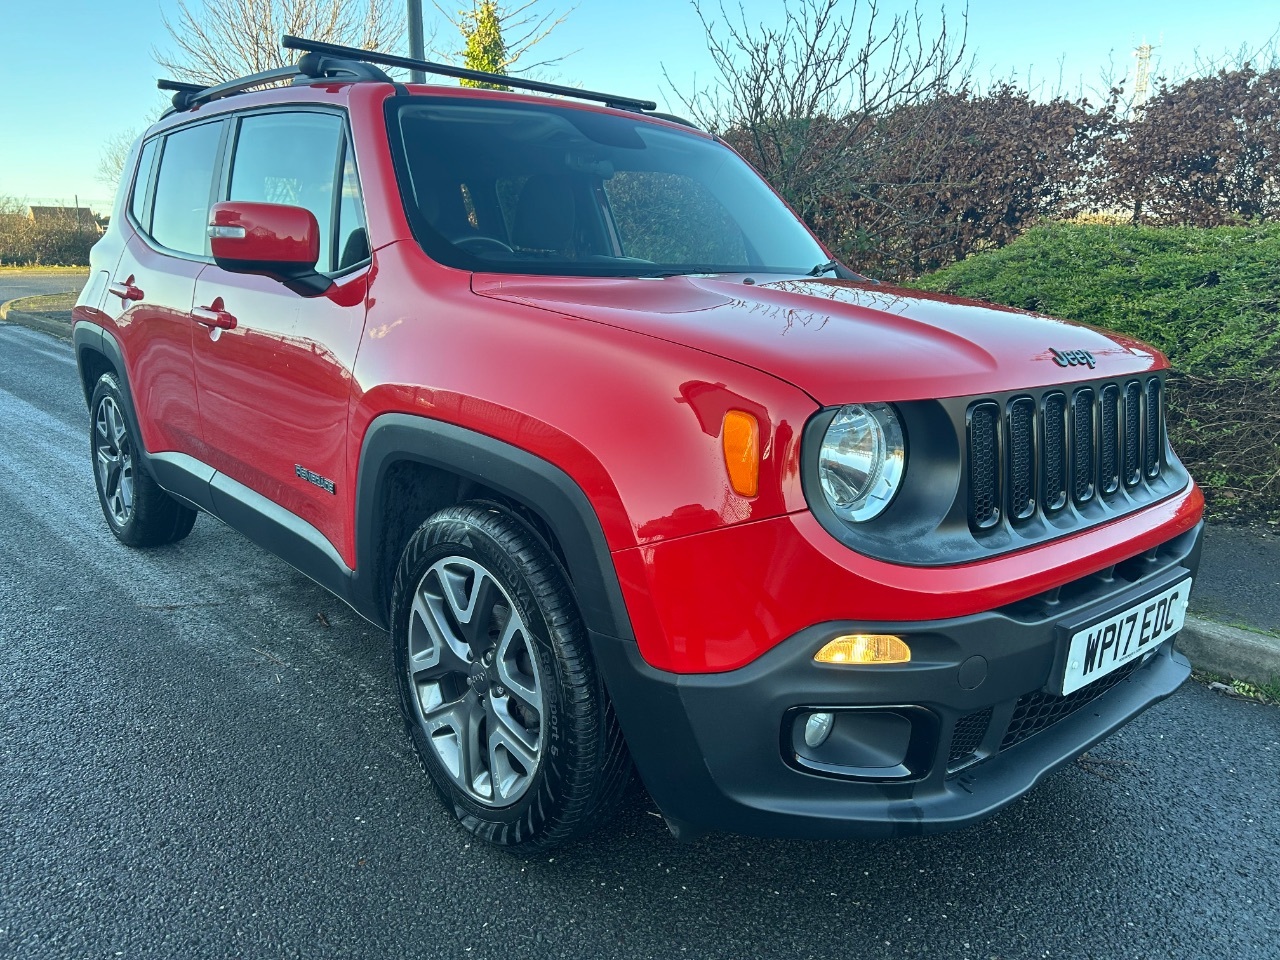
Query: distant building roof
{"points": [[45, 214]]}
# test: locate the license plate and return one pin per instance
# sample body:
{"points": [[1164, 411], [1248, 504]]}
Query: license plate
{"points": [[1122, 637]]}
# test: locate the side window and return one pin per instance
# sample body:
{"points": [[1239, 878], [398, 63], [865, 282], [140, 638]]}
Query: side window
{"points": [[180, 213], [353, 236], [138, 199], [291, 158], [671, 218]]}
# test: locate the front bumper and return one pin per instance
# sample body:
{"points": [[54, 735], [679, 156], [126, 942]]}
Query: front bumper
{"points": [[719, 751]]}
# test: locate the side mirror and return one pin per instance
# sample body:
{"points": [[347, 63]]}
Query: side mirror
{"points": [[269, 239]]}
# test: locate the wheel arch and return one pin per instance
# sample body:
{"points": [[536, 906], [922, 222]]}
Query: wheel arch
{"points": [[410, 466]]}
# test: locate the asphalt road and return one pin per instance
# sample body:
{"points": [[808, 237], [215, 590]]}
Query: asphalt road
{"points": [[201, 757], [31, 283]]}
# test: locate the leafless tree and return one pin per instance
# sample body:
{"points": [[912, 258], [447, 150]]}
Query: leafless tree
{"points": [[523, 28], [835, 106], [115, 151], [223, 39], [807, 100]]}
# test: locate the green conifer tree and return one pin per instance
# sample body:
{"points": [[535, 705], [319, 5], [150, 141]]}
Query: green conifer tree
{"points": [[486, 49]]}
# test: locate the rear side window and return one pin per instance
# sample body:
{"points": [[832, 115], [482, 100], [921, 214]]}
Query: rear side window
{"points": [[180, 214], [292, 158], [142, 182]]}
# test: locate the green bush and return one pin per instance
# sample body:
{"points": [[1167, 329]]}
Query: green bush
{"points": [[1209, 298]]}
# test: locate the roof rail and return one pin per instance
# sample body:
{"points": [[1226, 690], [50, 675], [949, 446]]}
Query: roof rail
{"points": [[460, 73], [312, 67], [190, 94]]}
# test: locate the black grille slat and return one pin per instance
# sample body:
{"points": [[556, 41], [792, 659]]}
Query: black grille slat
{"points": [[1039, 710], [1053, 442], [1022, 458], [1109, 440], [1132, 433], [984, 465], [1151, 433], [1083, 470]]}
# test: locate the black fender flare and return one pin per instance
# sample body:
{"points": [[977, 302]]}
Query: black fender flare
{"points": [[515, 473]]}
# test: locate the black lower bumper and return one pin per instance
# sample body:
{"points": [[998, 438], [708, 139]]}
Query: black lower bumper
{"points": [[972, 720]]}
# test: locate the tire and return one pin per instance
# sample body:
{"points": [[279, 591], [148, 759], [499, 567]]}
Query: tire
{"points": [[499, 692], [138, 512]]}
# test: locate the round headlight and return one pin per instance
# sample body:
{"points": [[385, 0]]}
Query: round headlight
{"points": [[862, 460]]}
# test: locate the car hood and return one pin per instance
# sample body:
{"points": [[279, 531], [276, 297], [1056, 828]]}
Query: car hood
{"points": [[841, 341]]}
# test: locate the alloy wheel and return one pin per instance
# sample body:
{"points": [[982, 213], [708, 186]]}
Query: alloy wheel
{"points": [[113, 460], [477, 686]]}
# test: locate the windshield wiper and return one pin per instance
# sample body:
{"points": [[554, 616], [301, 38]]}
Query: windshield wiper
{"points": [[831, 266]]}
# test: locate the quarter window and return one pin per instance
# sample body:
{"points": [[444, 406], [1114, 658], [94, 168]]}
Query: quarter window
{"points": [[138, 201]]}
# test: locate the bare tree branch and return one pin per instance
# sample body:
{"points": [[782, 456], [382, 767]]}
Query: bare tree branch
{"points": [[223, 39]]}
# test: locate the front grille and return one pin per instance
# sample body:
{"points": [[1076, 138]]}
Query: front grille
{"points": [[1034, 456], [967, 737], [1039, 710]]}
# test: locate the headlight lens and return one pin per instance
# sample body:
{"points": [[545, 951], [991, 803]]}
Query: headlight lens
{"points": [[862, 460]]}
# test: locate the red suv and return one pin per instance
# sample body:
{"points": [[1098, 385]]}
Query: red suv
{"points": [[563, 396]]}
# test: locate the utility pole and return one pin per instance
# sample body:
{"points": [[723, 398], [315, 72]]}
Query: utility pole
{"points": [[416, 49]]}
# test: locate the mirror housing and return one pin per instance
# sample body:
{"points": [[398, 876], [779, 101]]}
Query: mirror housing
{"points": [[271, 240]]}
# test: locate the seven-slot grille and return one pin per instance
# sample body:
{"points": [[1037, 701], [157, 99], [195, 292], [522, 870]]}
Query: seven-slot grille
{"points": [[1036, 454]]}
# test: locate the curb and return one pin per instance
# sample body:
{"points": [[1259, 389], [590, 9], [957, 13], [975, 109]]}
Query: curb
{"points": [[44, 322], [1229, 651]]}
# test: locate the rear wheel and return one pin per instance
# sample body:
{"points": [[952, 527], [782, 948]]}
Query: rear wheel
{"points": [[499, 692], [138, 512]]}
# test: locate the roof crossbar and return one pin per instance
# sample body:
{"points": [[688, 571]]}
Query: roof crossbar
{"points": [[461, 73]]}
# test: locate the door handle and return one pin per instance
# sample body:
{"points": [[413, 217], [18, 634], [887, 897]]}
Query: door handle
{"points": [[214, 316], [125, 291]]}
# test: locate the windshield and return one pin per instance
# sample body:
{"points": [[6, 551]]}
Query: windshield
{"points": [[541, 188]]}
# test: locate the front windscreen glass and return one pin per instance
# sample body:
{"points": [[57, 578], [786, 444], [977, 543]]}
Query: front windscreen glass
{"points": [[540, 188]]}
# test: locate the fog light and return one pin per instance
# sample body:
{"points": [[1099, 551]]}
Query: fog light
{"points": [[865, 648], [817, 728]]}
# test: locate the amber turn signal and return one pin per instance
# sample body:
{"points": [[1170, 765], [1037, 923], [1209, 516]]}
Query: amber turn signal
{"points": [[865, 648], [740, 438]]}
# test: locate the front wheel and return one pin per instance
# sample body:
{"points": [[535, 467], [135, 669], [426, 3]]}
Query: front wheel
{"points": [[499, 692]]}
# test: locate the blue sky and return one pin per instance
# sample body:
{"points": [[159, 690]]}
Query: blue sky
{"points": [[74, 73]]}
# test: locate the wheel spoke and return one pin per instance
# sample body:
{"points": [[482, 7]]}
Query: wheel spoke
{"points": [[512, 656], [512, 757], [433, 649], [116, 423]]}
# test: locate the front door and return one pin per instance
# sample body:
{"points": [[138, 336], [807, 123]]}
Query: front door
{"points": [[274, 390]]}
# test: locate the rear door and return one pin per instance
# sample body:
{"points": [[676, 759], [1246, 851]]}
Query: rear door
{"points": [[274, 391], [154, 282]]}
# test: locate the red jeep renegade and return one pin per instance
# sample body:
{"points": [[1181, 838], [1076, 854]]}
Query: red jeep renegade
{"points": [[563, 396]]}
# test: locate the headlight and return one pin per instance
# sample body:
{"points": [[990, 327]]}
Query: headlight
{"points": [[862, 460]]}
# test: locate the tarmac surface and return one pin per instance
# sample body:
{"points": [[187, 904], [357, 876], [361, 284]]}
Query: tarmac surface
{"points": [[202, 757], [1239, 581]]}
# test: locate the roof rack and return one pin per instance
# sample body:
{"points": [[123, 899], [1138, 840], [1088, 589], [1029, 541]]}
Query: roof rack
{"points": [[460, 73], [332, 61], [311, 67]]}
